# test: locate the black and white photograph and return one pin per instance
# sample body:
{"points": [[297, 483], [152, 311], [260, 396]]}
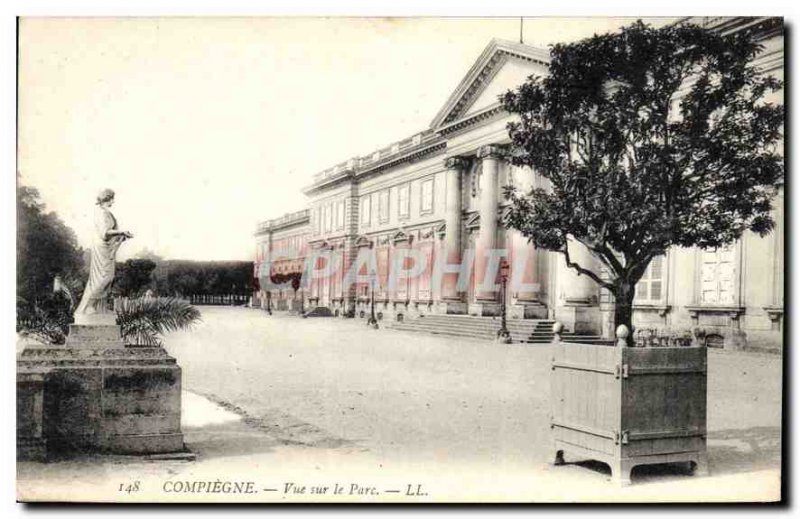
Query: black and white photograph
{"points": [[400, 260]]}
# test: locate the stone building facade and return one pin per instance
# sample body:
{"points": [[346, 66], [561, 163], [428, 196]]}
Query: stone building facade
{"points": [[281, 251], [440, 193]]}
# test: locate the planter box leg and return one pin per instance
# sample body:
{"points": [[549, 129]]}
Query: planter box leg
{"points": [[701, 465], [621, 472], [559, 458]]}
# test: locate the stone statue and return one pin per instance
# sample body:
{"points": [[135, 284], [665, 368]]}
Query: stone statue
{"points": [[93, 307]]}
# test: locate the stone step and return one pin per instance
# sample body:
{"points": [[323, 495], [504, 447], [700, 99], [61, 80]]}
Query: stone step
{"points": [[454, 331], [450, 333], [472, 319], [449, 326], [494, 327], [530, 331], [480, 330], [511, 323], [439, 327]]}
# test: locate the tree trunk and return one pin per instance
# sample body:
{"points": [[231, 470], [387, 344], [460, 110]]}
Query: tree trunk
{"points": [[623, 308]]}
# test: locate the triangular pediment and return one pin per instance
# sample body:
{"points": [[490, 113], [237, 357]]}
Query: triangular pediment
{"points": [[401, 236], [362, 241], [502, 65]]}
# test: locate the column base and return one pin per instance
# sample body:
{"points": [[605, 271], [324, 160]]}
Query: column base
{"points": [[527, 310], [581, 318], [485, 309], [451, 307]]}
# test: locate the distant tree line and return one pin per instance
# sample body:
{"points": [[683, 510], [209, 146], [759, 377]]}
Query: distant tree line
{"points": [[183, 278]]}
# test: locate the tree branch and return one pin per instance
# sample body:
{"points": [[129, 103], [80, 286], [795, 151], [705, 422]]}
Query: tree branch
{"points": [[580, 270]]}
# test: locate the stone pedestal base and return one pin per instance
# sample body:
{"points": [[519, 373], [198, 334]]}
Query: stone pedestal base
{"points": [[485, 309], [93, 336], [451, 307], [581, 318], [31, 444], [99, 396], [102, 318], [527, 310]]}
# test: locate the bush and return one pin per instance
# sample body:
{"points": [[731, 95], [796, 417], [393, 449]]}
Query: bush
{"points": [[142, 321], [46, 320]]}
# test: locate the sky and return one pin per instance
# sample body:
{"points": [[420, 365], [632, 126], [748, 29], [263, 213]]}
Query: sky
{"points": [[206, 126]]}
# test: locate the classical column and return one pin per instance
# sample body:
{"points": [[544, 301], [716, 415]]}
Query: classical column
{"points": [[487, 237], [578, 308], [525, 267], [452, 246], [580, 289]]}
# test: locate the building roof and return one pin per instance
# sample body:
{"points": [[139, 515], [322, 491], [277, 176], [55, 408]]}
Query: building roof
{"points": [[282, 222], [430, 139]]}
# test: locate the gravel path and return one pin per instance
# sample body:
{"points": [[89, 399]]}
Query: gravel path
{"points": [[332, 399]]}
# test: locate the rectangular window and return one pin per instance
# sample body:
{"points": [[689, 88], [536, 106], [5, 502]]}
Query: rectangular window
{"points": [[328, 217], [365, 210], [426, 205], [403, 209], [718, 272], [340, 215], [650, 289], [383, 206]]}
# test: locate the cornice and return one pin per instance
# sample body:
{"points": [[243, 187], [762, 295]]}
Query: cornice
{"points": [[329, 182], [761, 27], [396, 161], [288, 220], [490, 113]]}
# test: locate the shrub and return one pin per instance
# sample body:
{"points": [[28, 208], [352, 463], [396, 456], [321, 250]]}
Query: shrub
{"points": [[144, 320]]}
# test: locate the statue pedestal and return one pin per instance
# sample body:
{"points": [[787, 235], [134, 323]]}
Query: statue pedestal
{"points": [[104, 317], [95, 394], [95, 337]]}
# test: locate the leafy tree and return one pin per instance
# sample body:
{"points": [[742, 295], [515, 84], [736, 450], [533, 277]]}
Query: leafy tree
{"points": [[146, 253], [133, 276], [185, 278], [46, 248], [649, 138]]}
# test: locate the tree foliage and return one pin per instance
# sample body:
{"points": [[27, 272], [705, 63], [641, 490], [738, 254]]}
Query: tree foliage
{"points": [[185, 278], [649, 138], [46, 248], [133, 277], [144, 320]]}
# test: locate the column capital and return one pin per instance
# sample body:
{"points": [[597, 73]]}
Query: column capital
{"points": [[459, 163], [491, 151]]}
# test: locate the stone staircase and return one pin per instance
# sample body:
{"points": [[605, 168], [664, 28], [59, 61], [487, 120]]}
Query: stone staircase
{"points": [[533, 331]]}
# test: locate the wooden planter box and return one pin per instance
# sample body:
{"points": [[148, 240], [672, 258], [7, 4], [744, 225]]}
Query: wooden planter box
{"points": [[629, 406]]}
